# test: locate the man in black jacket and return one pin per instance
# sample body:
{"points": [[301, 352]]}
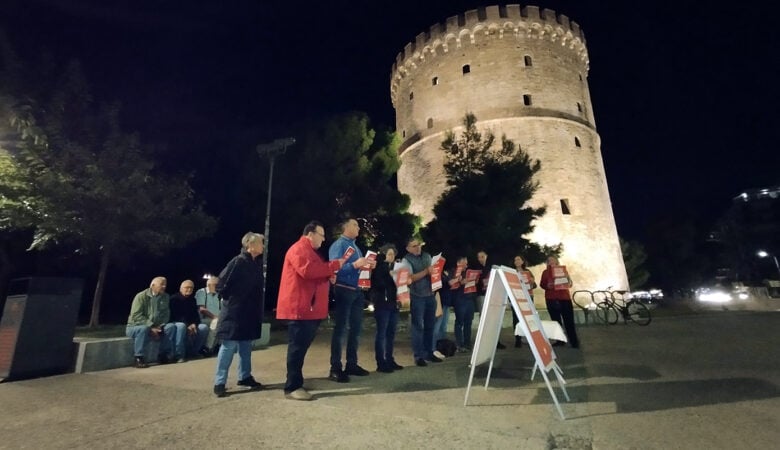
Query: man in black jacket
{"points": [[190, 335], [240, 319]]}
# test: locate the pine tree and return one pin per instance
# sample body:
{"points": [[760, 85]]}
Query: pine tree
{"points": [[485, 206]]}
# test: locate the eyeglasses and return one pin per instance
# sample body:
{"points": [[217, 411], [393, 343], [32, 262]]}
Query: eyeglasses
{"points": [[321, 234]]}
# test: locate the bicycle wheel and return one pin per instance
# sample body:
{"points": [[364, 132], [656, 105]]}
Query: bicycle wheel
{"points": [[638, 313], [606, 314]]}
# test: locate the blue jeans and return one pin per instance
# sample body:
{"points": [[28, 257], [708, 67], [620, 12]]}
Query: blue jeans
{"points": [[300, 334], [386, 326], [440, 326], [464, 316], [423, 315], [186, 345], [225, 358], [348, 312], [141, 337]]}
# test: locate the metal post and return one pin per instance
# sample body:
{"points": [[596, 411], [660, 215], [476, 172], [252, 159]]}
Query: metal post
{"points": [[277, 147], [267, 226]]}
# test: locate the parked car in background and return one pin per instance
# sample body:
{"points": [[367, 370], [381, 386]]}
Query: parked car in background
{"points": [[649, 297], [722, 293]]}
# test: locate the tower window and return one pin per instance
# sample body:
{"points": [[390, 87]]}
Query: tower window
{"points": [[527, 100], [528, 61], [434, 81], [466, 69], [403, 133], [580, 77], [577, 142], [579, 106], [411, 96], [565, 207], [430, 122]]}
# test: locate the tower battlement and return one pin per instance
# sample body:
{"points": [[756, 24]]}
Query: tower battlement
{"points": [[483, 23], [523, 71]]}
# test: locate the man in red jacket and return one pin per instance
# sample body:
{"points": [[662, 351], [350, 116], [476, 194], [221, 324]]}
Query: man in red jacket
{"points": [[303, 301]]}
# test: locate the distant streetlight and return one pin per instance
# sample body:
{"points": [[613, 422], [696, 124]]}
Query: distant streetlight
{"points": [[764, 254], [270, 150]]}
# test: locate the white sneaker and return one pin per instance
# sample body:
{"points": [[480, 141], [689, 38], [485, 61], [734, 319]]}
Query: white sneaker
{"points": [[299, 394], [439, 355]]}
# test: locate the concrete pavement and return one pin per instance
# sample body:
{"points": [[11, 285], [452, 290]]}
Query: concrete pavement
{"points": [[709, 380]]}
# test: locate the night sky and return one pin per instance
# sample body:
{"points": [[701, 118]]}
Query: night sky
{"points": [[684, 93]]}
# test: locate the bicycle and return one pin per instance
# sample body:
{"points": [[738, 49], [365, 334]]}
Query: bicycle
{"points": [[614, 305]]}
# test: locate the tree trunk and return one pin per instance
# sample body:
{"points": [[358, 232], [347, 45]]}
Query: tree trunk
{"points": [[94, 319], [6, 268]]}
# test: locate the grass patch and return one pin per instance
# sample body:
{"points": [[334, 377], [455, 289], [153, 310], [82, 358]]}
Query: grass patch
{"points": [[101, 331]]}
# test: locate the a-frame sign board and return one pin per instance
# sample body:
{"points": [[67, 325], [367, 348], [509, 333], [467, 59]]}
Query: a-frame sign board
{"points": [[505, 285]]}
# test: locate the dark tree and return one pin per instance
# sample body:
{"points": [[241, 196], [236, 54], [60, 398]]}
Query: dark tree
{"points": [[339, 167], [75, 177], [485, 206], [634, 258]]}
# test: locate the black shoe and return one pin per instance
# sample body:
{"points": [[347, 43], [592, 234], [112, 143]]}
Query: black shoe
{"points": [[558, 343], [250, 383], [356, 370], [395, 366], [140, 363], [421, 362], [219, 390], [518, 342], [384, 368], [433, 358], [163, 359], [500, 346], [338, 376]]}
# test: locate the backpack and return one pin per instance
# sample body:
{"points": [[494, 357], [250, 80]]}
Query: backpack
{"points": [[446, 347]]}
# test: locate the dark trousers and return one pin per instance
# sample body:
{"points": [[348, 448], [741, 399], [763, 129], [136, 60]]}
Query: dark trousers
{"points": [[562, 312], [423, 315], [386, 326], [348, 313], [300, 334], [464, 316]]}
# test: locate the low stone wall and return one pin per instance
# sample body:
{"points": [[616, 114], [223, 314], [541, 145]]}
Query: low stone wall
{"points": [[94, 354]]}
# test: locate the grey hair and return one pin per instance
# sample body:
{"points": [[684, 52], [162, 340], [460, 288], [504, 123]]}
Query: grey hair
{"points": [[251, 238]]}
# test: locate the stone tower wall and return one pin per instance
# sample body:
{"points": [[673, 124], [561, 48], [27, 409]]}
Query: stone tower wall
{"points": [[515, 55]]}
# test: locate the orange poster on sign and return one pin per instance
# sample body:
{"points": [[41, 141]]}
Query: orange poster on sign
{"points": [[531, 320]]}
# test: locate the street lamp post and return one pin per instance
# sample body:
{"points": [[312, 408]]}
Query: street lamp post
{"points": [[271, 150], [764, 254]]}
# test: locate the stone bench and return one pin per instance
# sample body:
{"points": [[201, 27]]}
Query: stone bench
{"points": [[93, 354]]}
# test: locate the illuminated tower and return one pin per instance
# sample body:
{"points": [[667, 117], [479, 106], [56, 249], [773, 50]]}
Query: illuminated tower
{"points": [[523, 72]]}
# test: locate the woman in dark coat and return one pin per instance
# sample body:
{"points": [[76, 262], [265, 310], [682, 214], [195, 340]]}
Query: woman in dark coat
{"points": [[240, 287], [383, 296]]}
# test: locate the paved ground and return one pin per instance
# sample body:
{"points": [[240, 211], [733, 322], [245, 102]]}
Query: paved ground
{"points": [[708, 380]]}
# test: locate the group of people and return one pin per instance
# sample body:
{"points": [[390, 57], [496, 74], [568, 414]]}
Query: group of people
{"points": [[231, 307], [182, 322]]}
